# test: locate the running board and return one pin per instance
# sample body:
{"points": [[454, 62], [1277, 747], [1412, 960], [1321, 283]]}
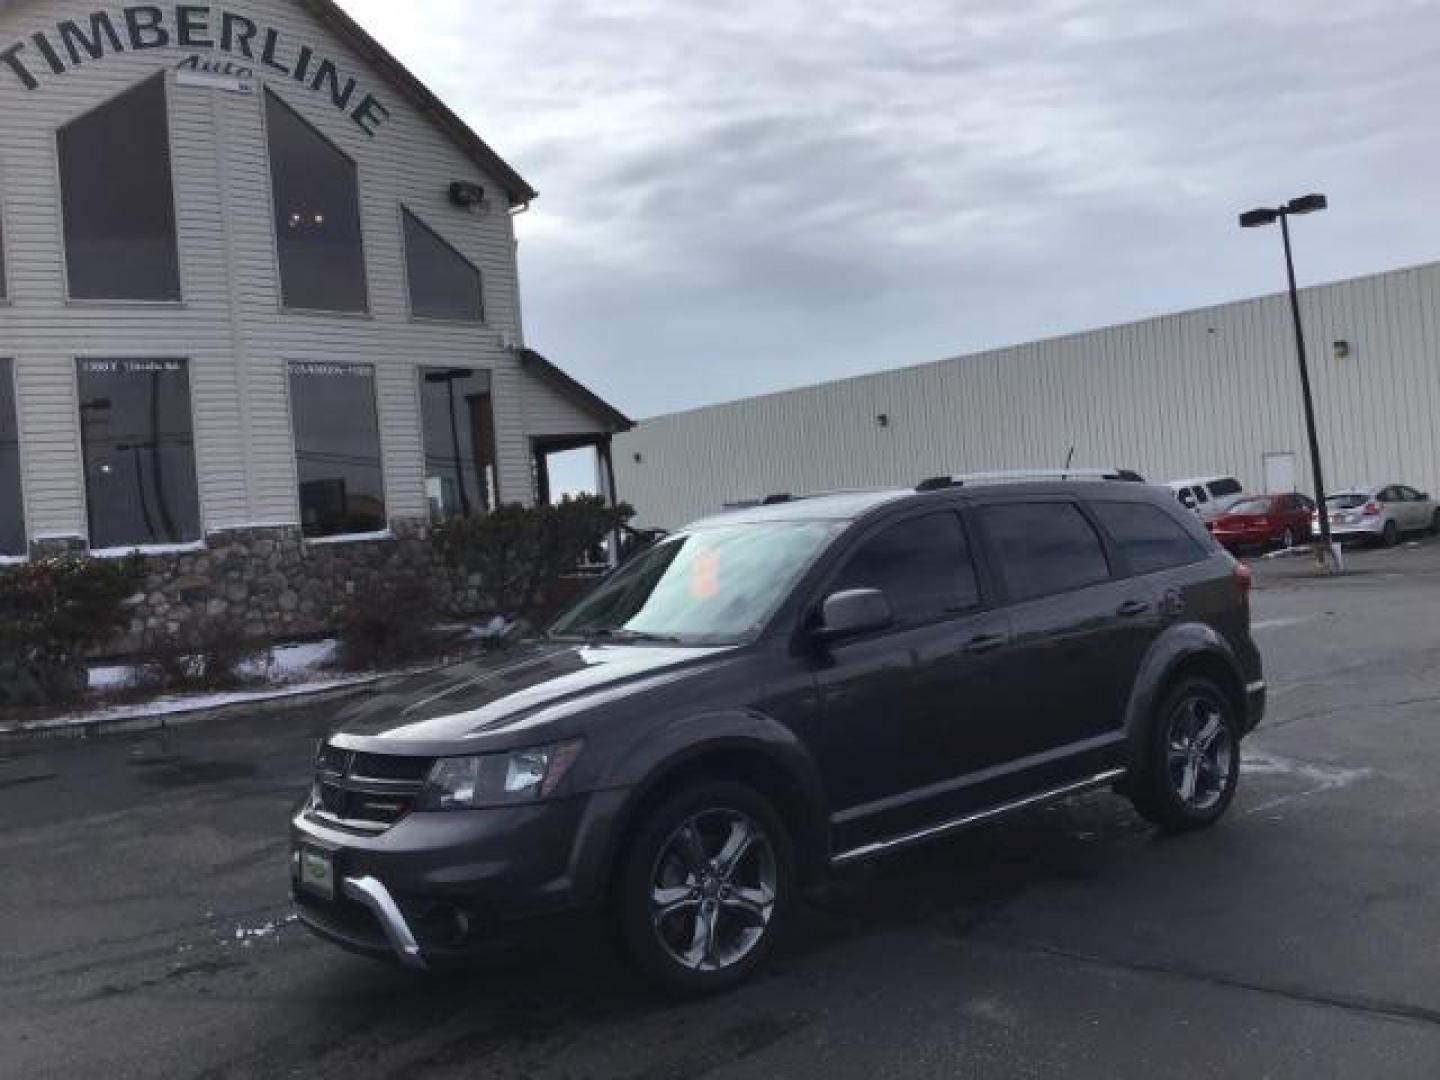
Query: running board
{"points": [[883, 847]]}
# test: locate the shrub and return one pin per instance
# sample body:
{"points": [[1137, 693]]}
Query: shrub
{"points": [[521, 552], [209, 653], [389, 625], [53, 612]]}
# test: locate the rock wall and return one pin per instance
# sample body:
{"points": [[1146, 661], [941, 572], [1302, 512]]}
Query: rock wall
{"points": [[277, 584]]}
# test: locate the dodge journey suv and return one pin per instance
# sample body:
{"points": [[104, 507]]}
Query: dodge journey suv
{"points": [[778, 691]]}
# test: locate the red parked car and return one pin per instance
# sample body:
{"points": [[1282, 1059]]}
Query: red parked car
{"points": [[1265, 521]]}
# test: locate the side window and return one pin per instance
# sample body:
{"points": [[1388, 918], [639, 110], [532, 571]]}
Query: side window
{"points": [[337, 449], [923, 565], [1409, 494], [12, 520], [117, 199], [1387, 495], [1150, 538], [317, 215], [1044, 548], [443, 283], [1200, 496], [1228, 486], [139, 451]]}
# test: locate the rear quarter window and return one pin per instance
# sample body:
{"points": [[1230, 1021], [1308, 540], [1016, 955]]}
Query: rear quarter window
{"points": [[1148, 537]]}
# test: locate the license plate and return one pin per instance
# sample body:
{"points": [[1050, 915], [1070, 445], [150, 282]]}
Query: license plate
{"points": [[315, 871]]}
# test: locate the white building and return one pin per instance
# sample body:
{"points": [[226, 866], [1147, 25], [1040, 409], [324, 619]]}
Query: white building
{"points": [[1215, 390], [258, 291]]}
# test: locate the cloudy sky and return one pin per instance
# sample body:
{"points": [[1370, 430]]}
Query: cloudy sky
{"points": [[744, 196]]}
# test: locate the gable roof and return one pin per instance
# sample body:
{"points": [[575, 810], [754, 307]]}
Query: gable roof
{"points": [[420, 96], [412, 90], [589, 401]]}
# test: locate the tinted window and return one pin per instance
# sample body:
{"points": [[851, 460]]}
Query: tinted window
{"points": [[443, 283], [1044, 548], [12, 517], [1150, 538], [1409, 494], [317, 216], [117, 199], [1222, 488], [135, 430], [1255, 506], [922, 565], [459, 423], [1346, 500], [1200, 495], [337, 449]]}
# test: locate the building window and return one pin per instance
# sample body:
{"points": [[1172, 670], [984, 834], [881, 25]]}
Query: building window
{"points": [[443, 283], [139, 448], [317, 216], [337, 449], [12, 509], [459, 423], [118, 201]]}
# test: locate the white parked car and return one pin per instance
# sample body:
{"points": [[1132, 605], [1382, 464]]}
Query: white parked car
{"points": [[1208, 496], [1381, 513]]}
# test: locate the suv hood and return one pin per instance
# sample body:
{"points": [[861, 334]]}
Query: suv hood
{"points": [[515, 690]]}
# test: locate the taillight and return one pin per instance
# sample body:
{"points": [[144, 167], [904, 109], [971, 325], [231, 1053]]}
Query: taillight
{"points": [[1244, 577], [1371, 509]]}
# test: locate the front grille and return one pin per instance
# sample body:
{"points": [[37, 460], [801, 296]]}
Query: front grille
{"points": [[366, 792]]}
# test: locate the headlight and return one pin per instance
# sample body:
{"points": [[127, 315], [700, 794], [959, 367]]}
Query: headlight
{"points": [[519, 776]]}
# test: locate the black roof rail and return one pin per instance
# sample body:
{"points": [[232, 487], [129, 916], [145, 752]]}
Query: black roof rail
{"points": [[1017, 476]]}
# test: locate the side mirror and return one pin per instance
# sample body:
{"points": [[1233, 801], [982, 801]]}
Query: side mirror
{"points": [[854, 611]]}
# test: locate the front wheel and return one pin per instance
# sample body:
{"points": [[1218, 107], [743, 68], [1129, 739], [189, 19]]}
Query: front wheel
{"points": [[1435, 524], [705, 888], [1193, 764]]}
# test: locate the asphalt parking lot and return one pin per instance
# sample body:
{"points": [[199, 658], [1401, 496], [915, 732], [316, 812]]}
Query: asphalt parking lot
{"points": [[144, 925]]}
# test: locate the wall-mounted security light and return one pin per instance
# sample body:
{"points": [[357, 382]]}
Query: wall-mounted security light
{"points": [[469, 196], [883, 419], [1342, 350]]}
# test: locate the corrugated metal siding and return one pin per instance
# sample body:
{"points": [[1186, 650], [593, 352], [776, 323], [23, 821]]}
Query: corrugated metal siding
{"points": [[1204, 391], [230, 324]]}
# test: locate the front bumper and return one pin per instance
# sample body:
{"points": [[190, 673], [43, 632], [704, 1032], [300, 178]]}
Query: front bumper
{"points": [[441, 885]]}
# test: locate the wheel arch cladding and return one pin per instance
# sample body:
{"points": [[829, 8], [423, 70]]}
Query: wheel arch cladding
{"points": [[788, 780], [1188, 650]]}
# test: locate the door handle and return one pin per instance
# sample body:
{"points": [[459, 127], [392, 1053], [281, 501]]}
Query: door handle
{"points": [[983, 643], [1131, 608]]}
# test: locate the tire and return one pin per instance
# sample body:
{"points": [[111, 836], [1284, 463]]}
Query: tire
{"points": [[1390, 534], [1434, 529], [707, 943], [1173, 758]]}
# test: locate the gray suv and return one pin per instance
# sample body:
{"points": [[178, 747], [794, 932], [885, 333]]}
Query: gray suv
{"points": [[778, 691]]}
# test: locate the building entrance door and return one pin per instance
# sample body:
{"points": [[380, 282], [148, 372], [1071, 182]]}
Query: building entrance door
{"points": [[1280, 472]]}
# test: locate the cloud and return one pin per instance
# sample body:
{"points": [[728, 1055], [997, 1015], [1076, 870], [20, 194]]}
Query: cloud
{"points": [[751, 195]]}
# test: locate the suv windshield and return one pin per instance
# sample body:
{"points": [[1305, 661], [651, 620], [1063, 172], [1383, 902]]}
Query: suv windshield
{"points": [[714, 586]]}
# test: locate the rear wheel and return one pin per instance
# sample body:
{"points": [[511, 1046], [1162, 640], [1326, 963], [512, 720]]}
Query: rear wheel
{"points": [[1389, 534], [1193, 764], [705, 888]]}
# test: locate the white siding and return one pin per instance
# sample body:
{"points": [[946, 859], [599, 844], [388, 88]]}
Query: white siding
{"points": [[1205, 391], [230, 324]]}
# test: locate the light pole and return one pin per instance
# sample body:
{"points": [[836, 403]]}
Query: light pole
{"points": [[1304, 204]]}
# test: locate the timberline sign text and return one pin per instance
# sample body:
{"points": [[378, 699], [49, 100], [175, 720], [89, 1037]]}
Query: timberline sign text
{"points": [[187, 27]]}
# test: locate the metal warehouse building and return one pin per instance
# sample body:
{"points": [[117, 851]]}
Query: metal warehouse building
{"points": [[259, 307], [1215, 390]]}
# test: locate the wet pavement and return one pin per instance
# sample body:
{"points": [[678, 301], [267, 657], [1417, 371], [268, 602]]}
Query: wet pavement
{"points": [[144, 928]]}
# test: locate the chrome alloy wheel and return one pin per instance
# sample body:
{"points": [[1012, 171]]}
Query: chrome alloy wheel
{"points": [[713, 890], [1200, 752]]}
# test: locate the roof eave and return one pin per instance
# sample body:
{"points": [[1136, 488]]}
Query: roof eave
{"points": [[517, 190]]}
